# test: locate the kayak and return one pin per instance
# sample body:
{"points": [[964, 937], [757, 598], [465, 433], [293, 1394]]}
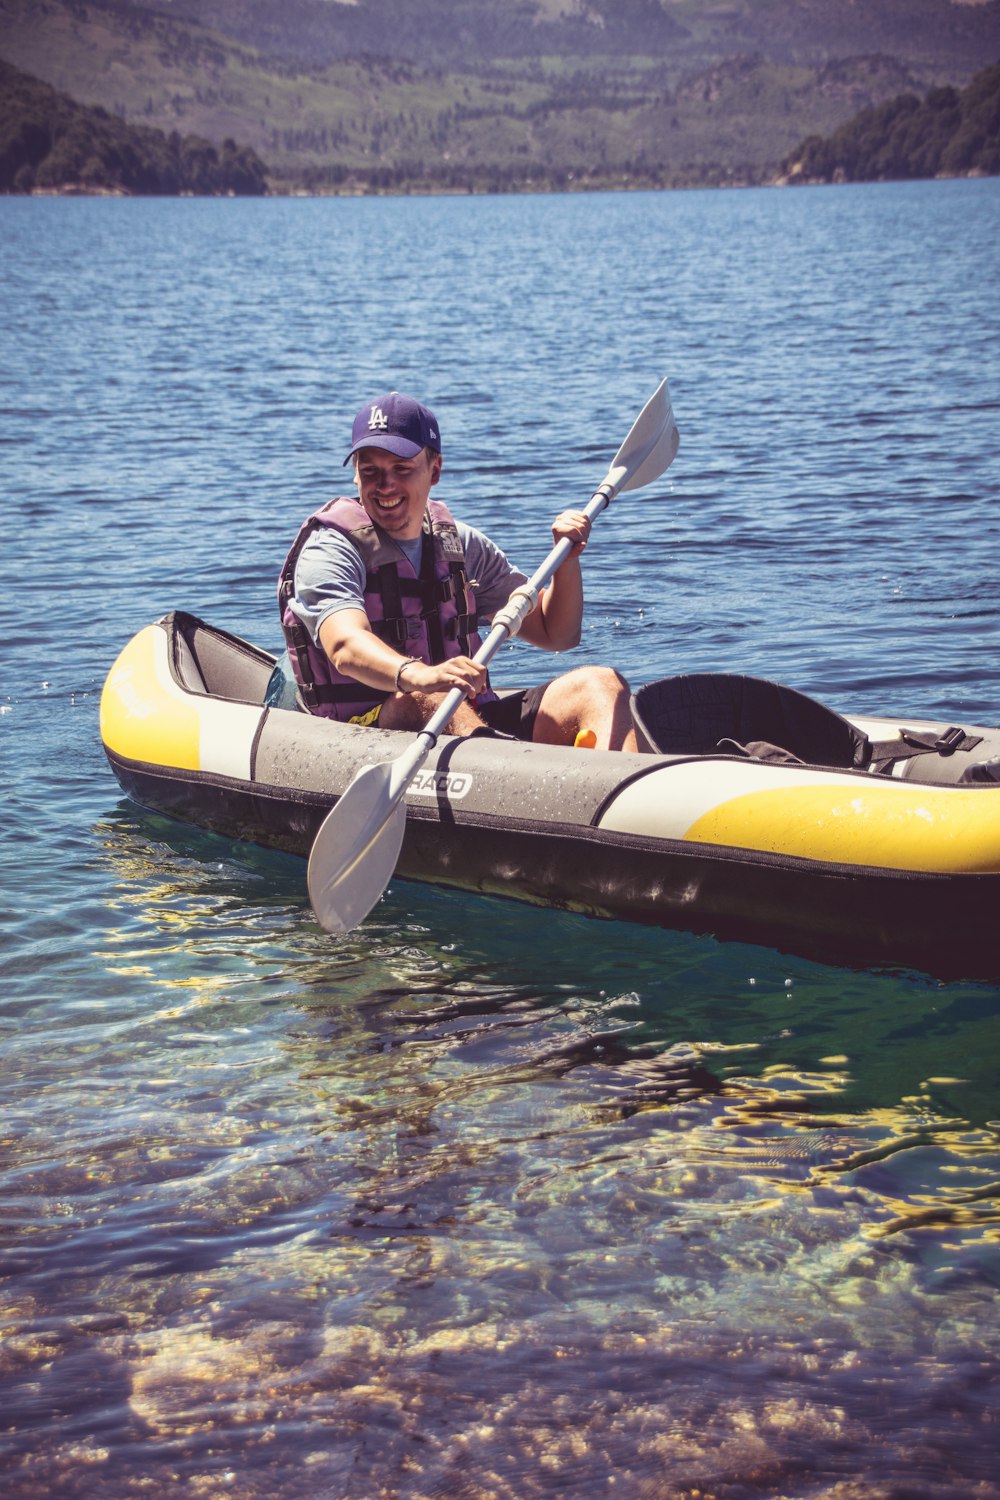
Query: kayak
{"points": [[750, 812]]}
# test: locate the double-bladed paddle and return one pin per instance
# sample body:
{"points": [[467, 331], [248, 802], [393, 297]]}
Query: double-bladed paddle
{"points": [[355, 851]]}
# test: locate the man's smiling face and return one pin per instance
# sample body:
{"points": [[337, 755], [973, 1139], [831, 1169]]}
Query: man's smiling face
{"points": [[394, 491]]}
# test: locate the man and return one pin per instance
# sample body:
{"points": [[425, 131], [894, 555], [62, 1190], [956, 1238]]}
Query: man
{"points": [[380, 598]]}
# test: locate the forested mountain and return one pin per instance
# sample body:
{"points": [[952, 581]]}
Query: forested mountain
{"points": [[416, 95], [49, 143], [949, 133], [472, 35]]}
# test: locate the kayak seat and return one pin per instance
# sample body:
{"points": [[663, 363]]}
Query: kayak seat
{"points": [[187, 669], [212, 662], [713, 713]]}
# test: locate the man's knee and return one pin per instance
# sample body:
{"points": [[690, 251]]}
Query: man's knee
{"points": [[595, 697], [594, 684], [608, 680]]}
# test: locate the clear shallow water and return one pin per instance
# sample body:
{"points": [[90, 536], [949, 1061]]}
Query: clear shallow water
{"points": [[485, 1201]]}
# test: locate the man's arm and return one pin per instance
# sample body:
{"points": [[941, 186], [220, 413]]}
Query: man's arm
{"points": [[556, 621], [355, 650]]}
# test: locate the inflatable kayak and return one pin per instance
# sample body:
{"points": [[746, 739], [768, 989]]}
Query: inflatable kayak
{"points": [[751, 812]]}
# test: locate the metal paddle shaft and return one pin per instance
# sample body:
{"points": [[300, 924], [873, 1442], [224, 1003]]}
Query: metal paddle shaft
{"points": [[355, 851]]}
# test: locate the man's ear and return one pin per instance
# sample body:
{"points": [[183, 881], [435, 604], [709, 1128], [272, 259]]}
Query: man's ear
{"points": [[436, 465]]}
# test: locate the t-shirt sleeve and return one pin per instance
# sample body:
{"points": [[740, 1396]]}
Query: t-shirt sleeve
{"points": [[495, 577], [329, 575]]}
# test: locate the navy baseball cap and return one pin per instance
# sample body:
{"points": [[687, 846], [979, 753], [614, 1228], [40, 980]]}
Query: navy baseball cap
{"points": [[396, 423]]}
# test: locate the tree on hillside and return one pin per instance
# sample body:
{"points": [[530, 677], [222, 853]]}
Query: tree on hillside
{"points": [[949, 132], [48, 143]]}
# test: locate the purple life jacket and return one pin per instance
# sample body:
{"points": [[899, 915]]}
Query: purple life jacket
{"points": [[431, 616]]}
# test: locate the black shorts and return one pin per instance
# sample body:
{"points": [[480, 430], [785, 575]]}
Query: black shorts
{"points": [[515, 713]]}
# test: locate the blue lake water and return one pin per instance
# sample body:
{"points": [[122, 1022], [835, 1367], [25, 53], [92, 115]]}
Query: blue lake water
{"points": [[483, 1201]]}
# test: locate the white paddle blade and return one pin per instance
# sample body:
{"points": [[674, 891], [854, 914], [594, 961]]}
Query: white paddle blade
{"points": [[652, 444], [355, 852]]}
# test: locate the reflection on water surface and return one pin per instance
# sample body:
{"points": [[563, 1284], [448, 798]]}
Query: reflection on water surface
{"points": [[480, 1221]]}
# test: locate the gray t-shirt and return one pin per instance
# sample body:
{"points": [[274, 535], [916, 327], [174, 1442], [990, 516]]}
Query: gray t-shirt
{"points": [[330, 574]]}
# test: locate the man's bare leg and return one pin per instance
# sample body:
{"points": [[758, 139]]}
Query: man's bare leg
{"points": [[594, 698], [413, 710]]}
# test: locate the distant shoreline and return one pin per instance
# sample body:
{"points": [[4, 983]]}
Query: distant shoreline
{"points": [[83, 190]]}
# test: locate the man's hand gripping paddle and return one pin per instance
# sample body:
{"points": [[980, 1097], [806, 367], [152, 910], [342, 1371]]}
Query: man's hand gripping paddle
{"points": [[355, 851]]}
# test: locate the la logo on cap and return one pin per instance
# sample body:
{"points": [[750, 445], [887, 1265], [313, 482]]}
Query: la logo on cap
{"points": [[378, 421]]}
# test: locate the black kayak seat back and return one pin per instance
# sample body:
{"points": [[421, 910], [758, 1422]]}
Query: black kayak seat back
{"points": [[213, 662], [722, 713]]}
